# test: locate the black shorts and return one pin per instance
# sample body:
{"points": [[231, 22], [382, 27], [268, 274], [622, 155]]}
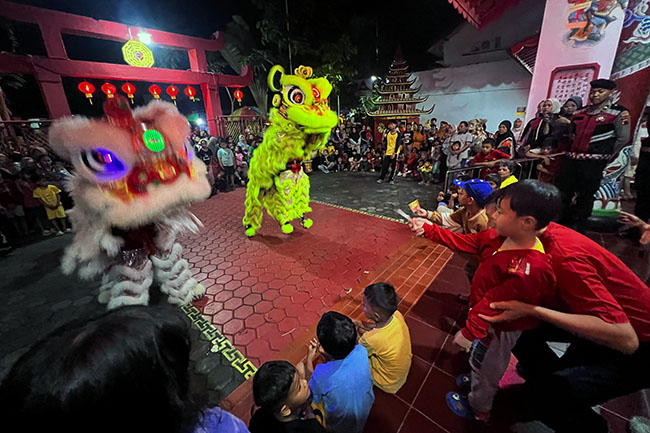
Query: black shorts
{"points": [[229, 170]]}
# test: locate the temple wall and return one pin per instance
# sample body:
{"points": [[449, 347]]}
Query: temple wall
{"points": [[572, 52], [468, 45], [492, 91]]}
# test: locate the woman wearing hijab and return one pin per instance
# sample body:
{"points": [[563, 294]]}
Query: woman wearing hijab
{"points": [[571, 105], [548, 124], [241, 143], [505, 140], [518, 128]]}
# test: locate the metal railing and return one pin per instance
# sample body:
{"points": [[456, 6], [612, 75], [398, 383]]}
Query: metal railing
{"points": [[233, 126], [524, 169]]}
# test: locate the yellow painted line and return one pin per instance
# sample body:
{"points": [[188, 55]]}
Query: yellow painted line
{"points": [[395, 220]]}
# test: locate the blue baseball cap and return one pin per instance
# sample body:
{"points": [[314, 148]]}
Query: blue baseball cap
{"points": [[478, 189]]}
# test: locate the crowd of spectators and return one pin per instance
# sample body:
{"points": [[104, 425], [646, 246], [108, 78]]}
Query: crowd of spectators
{"points": [[426, 151], [33, 198]]}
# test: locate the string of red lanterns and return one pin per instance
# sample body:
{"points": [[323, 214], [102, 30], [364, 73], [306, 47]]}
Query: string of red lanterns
{"points": [[129, 89]]}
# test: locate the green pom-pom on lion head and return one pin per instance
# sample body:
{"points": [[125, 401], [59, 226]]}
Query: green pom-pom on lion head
{"points": [[302, 99]]}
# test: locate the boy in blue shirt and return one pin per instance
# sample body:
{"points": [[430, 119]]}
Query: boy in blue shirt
{"points": [[343, 384]]}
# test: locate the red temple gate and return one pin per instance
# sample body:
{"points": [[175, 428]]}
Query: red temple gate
{"points": [[49, 70]]}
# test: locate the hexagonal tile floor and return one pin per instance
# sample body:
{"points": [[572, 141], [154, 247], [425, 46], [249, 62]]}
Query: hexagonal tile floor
{"points": [[263, 291]]}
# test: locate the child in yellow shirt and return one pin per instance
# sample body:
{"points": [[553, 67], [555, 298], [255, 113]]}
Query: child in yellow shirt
{"points": [[49, 196], [388, 341]]}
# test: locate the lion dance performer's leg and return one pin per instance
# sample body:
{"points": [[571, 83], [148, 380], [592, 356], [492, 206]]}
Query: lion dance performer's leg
{"points": [[278, 201], [253, 216], [127, 281], [301, 200], [290, 200], [173, 274]]}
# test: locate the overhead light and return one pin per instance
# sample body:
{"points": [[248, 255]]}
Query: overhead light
{"points": [[144, 37]]}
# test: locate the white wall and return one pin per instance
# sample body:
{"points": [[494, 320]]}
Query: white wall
{"points": [[555, 50], [467, 44], [491, 91]]}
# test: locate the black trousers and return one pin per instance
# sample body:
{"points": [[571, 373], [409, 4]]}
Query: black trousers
{"points": [[642, 185], [579, 179], [387, 163], [561, 391]]}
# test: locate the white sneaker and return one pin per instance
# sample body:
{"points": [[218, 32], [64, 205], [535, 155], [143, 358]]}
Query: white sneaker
{"points": [[68, 230], [379, 181], [46, 232], [392, 182], [59, 233]]}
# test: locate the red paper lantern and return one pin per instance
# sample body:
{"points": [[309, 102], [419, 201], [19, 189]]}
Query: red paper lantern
{"points": [[155, 91], [109, 89], [129, 89], [172, 91], [189, 91], [238, 95], [87, 89]]}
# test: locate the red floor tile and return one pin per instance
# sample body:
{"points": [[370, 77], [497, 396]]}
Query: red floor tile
{"points": [[417, 373], [630, 405], [426, 341], [435, 310], [452, 359], [415, 422], [386, 414], [617, 424], [431, 402]]}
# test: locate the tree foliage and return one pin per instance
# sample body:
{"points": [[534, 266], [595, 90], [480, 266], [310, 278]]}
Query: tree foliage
{"points": [[9, 81]]}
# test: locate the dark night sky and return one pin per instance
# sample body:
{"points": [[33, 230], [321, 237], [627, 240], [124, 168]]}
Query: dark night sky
{"points": [[415, 26]]}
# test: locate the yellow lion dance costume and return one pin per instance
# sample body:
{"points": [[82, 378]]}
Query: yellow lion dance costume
{"points": [[301, 122]]}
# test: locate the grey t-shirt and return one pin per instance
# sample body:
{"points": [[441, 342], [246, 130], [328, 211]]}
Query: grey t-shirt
{"points": [[226, 156]]}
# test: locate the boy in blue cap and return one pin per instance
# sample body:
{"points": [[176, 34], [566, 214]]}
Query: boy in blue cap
{"points": [[471, 217]]}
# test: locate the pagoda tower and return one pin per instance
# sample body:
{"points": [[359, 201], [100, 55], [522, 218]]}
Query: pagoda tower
{"points": [[397, 99]]}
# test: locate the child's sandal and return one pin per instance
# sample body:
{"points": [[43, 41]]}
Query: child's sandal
{"points": [[459, 405], [464, 383]]}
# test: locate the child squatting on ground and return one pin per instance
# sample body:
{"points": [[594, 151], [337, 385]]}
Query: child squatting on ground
{"points": [[282, 394], [387, 341], [342, 386], [513, 266]]}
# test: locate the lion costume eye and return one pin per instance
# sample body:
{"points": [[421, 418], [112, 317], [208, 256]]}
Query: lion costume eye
{"points": [[296, 95], [103, 164]]}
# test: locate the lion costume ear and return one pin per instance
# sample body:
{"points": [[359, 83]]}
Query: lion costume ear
{"points": [[275, 77]]}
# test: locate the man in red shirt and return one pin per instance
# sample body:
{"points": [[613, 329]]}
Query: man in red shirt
{"points": [[603, 311]]}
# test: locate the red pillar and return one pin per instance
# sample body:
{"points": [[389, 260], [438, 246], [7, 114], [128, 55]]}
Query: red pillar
{"points": [[50, 83], [54, 95], [212, 108], [198, 62]]}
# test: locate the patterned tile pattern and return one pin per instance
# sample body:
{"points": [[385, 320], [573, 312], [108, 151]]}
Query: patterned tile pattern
{"points": [[264, 291]]}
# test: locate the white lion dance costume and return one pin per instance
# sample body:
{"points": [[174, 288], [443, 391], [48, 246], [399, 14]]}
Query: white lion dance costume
{"points": [[301, 121], [135, 177]]}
